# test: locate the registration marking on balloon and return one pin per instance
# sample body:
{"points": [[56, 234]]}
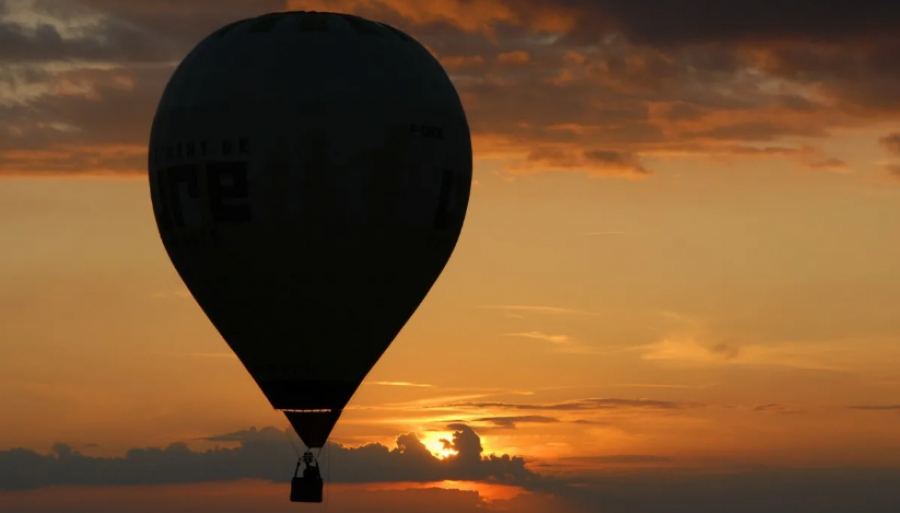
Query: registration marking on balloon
{"points": [[428, 132]]}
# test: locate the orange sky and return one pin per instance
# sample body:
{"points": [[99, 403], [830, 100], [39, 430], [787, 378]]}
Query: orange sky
{"points": [[681, 242]]}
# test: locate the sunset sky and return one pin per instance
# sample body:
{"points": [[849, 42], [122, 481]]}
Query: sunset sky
{"points": [[677, 283]]}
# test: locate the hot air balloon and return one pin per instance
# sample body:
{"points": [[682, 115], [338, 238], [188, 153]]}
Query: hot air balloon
{"points": [[310, 174]]}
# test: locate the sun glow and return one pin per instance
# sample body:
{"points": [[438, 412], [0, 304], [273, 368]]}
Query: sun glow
{"points": [[437, 442]]}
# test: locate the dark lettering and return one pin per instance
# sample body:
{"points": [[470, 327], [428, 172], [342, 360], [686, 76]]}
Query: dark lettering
{"points": [[226, 147], [430, 132], [169, 154], [228, 191], [171, 187], [244, 145], [203, 148], [190, 149], [178, 150], [433, 132]]}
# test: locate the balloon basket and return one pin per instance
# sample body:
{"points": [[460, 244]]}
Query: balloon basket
{"points": [[306, 489]]}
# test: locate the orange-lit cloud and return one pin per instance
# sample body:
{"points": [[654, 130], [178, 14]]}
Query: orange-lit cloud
{"points": [[73, 159], [472, 17], [514, 57], [542, 93]]}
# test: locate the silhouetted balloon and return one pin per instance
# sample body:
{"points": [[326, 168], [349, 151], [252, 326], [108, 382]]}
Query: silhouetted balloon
{"points": [[310, 174]]}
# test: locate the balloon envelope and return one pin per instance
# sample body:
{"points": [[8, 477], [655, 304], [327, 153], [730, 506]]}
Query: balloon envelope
{"points": [[310, 174]]}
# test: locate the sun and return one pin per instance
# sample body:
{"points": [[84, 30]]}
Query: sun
{"points": [[433, 441]]}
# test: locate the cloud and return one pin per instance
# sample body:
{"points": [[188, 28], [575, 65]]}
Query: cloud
{"points": [[699, 21], [827, 164], [397, 384], [100, 38], [555, 339], [263, 454], [514, 57], [266, 455], [605, 403], [511, 422], [461, 61], [648, 490], [775, 408], [664, 385], [741, 21], [888, 407], [561, 343], [81, 120], [597, 162], [254, 496], [705, 348], [618, 459], [592, 87], [891, 144], [539, 309], [828, 490]]}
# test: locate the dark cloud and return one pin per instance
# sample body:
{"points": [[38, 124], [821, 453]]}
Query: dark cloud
{"points": [[98, 120], [860, 78], [255, 497], [110, 41], [105, 106], [263, 454], [266, 454], [511, 422], [725, 351], [662, 23], [616, 159], [886, 407], [775, 408], [891, 144], [682, 22], [597, 101], [829, 490]]}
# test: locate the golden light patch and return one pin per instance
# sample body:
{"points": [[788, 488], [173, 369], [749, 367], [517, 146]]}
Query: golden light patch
{"points": [[486, 491], [437, 443]]}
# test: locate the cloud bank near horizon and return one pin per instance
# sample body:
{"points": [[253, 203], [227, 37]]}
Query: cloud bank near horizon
{"points": [[265, 454]]}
